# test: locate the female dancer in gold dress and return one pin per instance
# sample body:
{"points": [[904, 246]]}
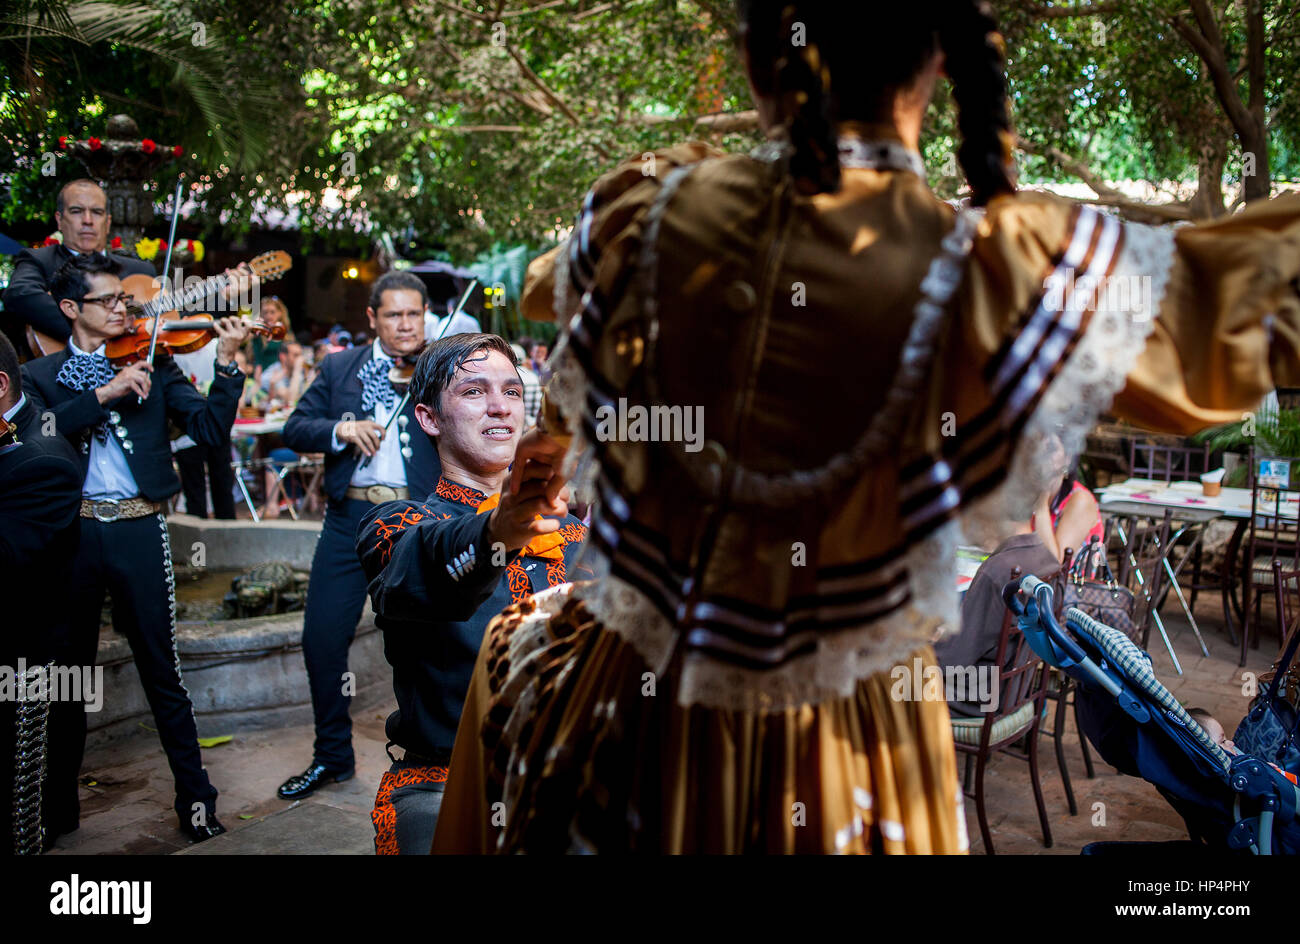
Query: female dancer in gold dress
{"points": [[867, 362]]}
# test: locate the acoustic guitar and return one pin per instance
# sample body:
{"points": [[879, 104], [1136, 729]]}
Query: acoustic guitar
{"points": [[149, 300]]}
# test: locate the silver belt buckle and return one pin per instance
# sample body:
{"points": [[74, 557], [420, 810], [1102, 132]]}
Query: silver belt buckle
{"points": [[114, 506], [379, 494]]}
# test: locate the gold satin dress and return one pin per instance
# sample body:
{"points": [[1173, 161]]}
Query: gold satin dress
{"points": [[727, 683]]}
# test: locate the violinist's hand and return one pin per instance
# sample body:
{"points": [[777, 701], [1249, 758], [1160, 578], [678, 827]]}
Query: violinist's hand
{"points": [[231, 334], [134, 379], [242, 279], [364, 434], [515, 522]]}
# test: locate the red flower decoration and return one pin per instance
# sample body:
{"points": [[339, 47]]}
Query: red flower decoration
{"points": [[50, 241], [177, 151], [189, 245], [148, 146], [95, 144], [116, 243], [162, 245], [63, 142]]}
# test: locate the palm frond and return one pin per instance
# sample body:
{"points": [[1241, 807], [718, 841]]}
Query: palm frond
{"points": [[237, 109]]}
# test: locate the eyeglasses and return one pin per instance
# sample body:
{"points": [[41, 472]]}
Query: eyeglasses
{"points": [[110, 301]]}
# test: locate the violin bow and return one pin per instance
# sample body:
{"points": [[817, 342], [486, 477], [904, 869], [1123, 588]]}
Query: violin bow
{"points": [[365, 461], [167, 266]]}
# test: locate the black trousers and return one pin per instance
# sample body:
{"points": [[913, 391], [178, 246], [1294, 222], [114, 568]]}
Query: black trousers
{"points": [[132, 561], [220, 476], [335, 598]]}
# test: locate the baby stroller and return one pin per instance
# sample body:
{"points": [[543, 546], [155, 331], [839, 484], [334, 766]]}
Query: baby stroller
{"points": [[1229, 801]]}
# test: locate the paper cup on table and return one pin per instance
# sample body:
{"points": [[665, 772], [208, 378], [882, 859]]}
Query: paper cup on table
{"points": [[1212, 482]]}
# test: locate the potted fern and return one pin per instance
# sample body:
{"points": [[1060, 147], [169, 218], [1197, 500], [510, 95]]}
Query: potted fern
{"points": [[1273, 433]]}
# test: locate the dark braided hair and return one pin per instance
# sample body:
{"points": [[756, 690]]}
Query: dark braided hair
{"points": [[854, 58], [974, 57]]}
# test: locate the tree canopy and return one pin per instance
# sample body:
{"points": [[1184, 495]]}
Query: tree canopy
{"points": [[453, 127]]}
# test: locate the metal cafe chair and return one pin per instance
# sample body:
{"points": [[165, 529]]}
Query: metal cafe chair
{"points": [[1273, 537], [1167, 463], [305, 471]]}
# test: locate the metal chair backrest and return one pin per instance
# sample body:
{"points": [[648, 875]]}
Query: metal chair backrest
{"points": [[1286, 586], [1166, 463], [1274, 521]]}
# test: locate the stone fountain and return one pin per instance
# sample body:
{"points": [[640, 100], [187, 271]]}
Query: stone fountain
{"points": [[240, 654]]}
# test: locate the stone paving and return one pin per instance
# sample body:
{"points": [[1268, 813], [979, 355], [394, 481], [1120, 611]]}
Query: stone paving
{"points": [[126, 808]]}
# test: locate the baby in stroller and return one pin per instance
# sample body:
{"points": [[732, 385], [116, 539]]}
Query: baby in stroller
{"points": [[1229, 800], [1219, 736]]}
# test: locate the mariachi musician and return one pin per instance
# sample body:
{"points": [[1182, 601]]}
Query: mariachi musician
{"points": [[374, 454], [39, 501], [117, 420], [81, 214]]}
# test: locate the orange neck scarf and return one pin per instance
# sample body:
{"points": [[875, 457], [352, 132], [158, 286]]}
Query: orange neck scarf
{"points": [[549, 546]]}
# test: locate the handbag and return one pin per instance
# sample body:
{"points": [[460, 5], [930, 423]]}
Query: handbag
{"points": [[1271, 729], [1102, 599]]}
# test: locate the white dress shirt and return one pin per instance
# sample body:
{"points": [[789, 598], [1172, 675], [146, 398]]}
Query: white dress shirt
{"points": [[436, 328], [108, 475], [386, 468]]}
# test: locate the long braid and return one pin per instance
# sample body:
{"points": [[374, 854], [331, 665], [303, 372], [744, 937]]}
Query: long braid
{"points": [[804, 81], [974, 56], [831, 77]]}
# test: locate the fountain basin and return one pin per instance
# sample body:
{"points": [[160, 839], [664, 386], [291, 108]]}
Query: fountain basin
{"points": [[242, 674]]}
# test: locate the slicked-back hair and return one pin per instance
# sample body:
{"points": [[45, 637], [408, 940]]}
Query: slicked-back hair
{"points": [[70, 280], [83, 182], [437, 366], [9, 365], [397, 281]]}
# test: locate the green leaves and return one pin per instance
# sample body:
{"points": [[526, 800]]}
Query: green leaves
{"points": [[461, 141]]}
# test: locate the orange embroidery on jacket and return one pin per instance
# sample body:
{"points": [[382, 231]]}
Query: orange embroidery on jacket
{"points": [[454, 491], [521, 588], [390, 528], [384, 815]]}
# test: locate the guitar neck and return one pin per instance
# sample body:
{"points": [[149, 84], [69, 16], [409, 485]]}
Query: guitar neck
{"points": [[173, 301]]}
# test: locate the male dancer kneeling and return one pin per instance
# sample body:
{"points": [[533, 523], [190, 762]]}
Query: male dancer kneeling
{"points": [[440, 569]]}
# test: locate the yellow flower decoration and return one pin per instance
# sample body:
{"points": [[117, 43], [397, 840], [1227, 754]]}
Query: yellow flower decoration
{"points": [[198, 250], [147, 249]]}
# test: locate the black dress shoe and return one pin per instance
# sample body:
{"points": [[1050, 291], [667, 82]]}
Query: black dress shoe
{"points": [[211, 828], [307, 782]]}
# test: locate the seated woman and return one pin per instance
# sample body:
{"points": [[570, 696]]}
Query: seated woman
{"points": [[1069, 516], [1072, 516]]}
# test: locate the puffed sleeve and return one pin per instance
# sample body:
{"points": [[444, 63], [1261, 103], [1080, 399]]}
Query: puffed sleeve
{"points": [[1228, 327], [592, 269], [1065, 312]]}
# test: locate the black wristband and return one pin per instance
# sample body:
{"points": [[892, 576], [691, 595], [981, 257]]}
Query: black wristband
{"points": [[229, 370]]}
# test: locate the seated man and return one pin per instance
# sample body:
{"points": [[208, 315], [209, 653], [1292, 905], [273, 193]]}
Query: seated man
{"points": [[1018, 545], [440, 569]]}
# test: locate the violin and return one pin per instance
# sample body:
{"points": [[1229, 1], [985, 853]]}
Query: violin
{"points": [[174, 337], [149, 301], [403, 369]]}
